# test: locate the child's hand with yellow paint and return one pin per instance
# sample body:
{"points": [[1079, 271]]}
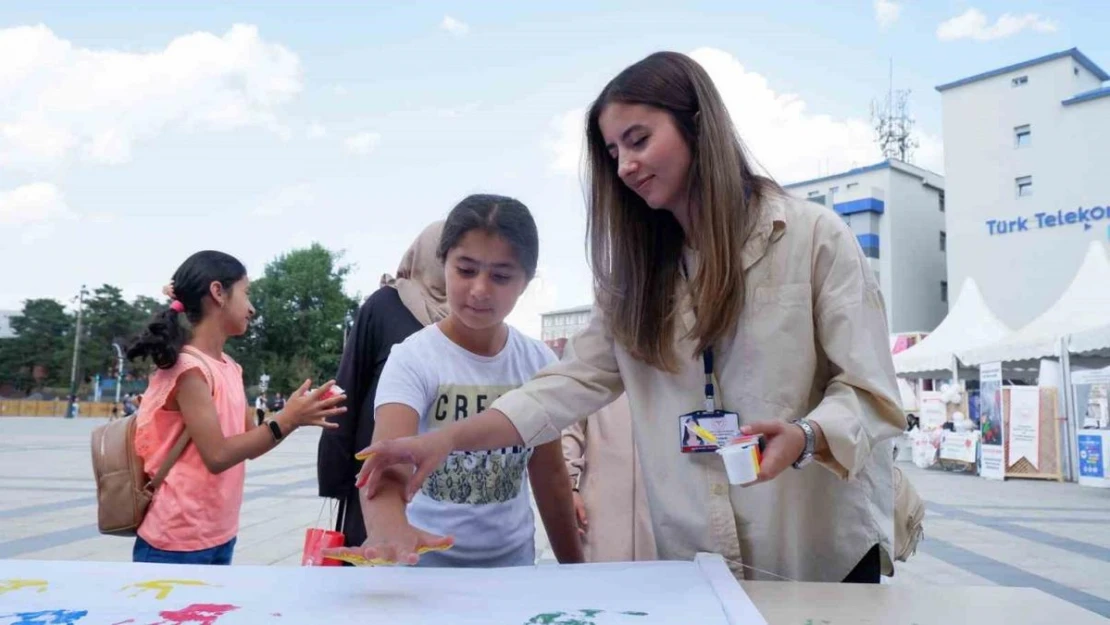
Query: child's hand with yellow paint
{"points": [[392, 543]]}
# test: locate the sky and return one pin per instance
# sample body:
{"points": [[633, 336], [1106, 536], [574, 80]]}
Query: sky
{"points": [[132, 135]]}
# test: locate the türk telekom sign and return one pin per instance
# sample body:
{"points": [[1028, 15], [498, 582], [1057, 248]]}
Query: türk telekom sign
{"points": [[1082, 217]]}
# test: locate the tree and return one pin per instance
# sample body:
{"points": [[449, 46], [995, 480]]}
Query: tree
{"points": [[109, 319], [38, 353], [300, 311], [146, 307]]}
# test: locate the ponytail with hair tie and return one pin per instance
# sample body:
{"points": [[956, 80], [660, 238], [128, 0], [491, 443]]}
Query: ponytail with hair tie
{"points": [[167, 333]]}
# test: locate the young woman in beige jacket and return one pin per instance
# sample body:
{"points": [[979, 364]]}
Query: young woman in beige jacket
{"points": [[695, 253]]}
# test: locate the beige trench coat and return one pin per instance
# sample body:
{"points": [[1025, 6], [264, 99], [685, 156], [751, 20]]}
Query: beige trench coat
{"points": [[601, 458], [812, 342]]}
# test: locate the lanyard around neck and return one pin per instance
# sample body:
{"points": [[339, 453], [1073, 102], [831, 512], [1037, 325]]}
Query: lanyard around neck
{"points": [[707, 360]]}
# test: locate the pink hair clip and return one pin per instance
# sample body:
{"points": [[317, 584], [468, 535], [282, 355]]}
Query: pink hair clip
{"points": [[177, 306]]}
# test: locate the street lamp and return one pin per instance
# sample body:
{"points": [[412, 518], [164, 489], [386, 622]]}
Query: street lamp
{"points": [[119, 370], [76, 352]]}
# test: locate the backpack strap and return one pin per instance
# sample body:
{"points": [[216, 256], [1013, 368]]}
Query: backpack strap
{"points": [[183, 440]]}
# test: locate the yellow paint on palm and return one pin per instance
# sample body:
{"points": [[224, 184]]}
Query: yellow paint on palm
{"points": [[358, 560]]}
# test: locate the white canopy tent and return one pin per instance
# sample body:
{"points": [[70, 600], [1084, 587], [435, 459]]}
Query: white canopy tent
{"points": [[970, 323], [1094, 341], [1084, 305]]}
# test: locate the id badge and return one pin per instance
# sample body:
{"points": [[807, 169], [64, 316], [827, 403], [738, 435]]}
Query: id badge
{"points": [[703, 431]]}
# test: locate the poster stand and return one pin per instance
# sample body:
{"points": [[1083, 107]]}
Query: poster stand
{"points": [[1048, 440]]}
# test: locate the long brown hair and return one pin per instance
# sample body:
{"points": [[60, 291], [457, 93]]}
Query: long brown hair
{"points": [[636, 252]]}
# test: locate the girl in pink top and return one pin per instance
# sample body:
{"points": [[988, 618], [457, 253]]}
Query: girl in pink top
{"points": [[194, 517]]}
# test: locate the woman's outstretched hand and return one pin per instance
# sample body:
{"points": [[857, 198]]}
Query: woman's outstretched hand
{"points": [[423, 454]]}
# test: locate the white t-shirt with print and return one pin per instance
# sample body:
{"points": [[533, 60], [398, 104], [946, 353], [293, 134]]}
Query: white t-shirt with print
{"points": [[481, 498]]}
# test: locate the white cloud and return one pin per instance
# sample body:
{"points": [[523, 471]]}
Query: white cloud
{"points": [[929, 153], [780, 133], [340, 90], [540, 297], [109, 147], [31, 142], [887, 13], [316, 130], [57, 98], [101, 218], [285, 199], [973, 24], [568, 143], [363, 143], [32, 203], [454, 26], [456, 111], [33, 210]]}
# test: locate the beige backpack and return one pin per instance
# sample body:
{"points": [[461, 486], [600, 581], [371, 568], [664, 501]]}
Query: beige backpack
{"points": [[123, 489]]}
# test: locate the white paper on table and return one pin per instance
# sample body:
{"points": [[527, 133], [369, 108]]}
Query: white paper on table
{"points": [[112, 593], [1025, 424]]}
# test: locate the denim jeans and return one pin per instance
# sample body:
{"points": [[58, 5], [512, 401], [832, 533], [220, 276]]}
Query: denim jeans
{"points": [[220, 554]]}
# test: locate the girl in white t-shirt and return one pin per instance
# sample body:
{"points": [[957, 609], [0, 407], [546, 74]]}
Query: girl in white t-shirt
{"points": [[474, 510]]}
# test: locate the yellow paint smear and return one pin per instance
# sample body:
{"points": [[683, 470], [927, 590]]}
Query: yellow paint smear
{"points": [[357, 560], [10, 585], [703, 433], [163, 587]]}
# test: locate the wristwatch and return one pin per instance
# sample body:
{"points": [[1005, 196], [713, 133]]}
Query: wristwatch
{"points": [[275, 430], [811, 442]]}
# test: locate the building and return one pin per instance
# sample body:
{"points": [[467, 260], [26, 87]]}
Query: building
{"points": [[560, 325], [1026, 178], [897, 212], [6, 331]]}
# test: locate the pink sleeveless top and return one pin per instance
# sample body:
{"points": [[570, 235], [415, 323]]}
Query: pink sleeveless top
{"points": [[193, 509]]}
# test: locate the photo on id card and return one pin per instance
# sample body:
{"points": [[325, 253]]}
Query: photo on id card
{"points": [[705, 431]]}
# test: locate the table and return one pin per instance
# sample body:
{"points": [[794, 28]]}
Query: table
{"points": [[804, 603]]}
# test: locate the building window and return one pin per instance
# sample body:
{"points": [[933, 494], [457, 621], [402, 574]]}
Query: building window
{"points": [[1024, 186], [816, 199], [943, 241], [1075, 70], [1023, 135], [833, 190], [1019, 81], [944, 291], [940, 199], [813, 194], [851, 185]]}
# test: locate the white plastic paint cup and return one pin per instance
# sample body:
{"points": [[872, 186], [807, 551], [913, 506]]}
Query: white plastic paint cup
{"points": [[742, 460]]}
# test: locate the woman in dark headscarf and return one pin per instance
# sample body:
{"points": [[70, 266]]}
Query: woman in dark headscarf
{"points": [[415, 298]]}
